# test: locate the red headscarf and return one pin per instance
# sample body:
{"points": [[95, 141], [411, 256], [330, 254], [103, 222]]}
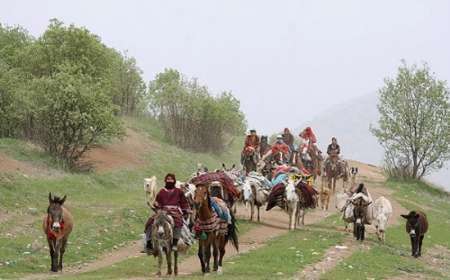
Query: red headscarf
{"points": [[309, 134]]}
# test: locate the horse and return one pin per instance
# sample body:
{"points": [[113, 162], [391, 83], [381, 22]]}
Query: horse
{"points": [[150, 190], [360, 214], [215, 233], [254, 195], [57, 226], [416, 227], [250, 159], [162, 237], [314, 166], [336, 169]]}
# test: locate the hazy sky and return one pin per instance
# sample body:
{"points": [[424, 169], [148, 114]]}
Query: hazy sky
{"points": [[287, 61]]}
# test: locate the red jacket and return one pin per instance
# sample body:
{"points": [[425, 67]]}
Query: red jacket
{"points": [[280, 147], [252, 141]]}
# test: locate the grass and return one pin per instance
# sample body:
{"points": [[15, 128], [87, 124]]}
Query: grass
{"points": [[393, 257], [109, 208]]}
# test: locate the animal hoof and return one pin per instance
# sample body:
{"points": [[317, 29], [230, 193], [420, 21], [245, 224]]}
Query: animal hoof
{"points": [[219, 270]]}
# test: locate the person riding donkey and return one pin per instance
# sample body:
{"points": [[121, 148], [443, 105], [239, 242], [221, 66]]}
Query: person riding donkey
{"points": [[173, 201], [251, 145]]}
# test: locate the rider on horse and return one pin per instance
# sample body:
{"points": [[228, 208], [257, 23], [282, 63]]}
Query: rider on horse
{"points": [[251, 145], [173, 201], [333, 150], [288, 139], [280, 148], [308, 141]]}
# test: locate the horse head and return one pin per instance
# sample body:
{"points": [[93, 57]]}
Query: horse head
{"points": [[55, 212]]}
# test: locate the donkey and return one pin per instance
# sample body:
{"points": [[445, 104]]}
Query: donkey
{"points": [[335, 170], [416, 227], [292, 205], [382, 210], [57, 225], [360, 217], [254, 195], [162, 236]]}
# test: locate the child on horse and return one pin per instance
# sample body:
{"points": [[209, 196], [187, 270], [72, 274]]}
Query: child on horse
{"points": [[173, 201]]}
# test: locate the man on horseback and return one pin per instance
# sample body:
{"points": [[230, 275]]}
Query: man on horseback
{"points": [[333, 151], [279, 149], [288, 139], [173, 201], [251, 145]]}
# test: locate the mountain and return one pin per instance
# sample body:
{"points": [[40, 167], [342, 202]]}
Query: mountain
{"points": [[349, 122]]}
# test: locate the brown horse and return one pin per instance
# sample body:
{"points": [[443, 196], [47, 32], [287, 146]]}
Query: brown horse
{"points": [[214, 232], [314, 166], [57, 225], [336, 169]]}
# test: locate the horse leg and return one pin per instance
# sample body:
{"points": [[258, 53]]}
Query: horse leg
{"points": [[216, 254], [61, 254], [169, 260], [208, 253], [222, 254], [303, 216], [257, 208], [252, 210], [201, 255]]}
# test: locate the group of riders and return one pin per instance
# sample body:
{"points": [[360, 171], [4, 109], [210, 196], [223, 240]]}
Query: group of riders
{"points": [[283, 149], [173, 200]]}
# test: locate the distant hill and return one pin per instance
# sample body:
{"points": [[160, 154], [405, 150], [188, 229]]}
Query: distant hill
{"points": [[349, 122]]}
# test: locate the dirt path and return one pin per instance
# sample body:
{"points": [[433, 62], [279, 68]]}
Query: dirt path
{"points": [[334, 255]]}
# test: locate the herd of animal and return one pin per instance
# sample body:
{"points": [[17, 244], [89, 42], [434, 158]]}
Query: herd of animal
{"points": [[255, 191]]}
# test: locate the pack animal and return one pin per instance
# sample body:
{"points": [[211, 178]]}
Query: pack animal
{"points": [[382, 211]]}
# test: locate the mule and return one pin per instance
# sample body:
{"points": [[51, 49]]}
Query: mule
{"points": [[214, 232], [57, 225], [416, 227], [162, 237], [255, 196]]}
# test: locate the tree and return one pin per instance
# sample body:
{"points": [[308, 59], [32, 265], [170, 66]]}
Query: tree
{"points": [[74, 113], [414, 124]]}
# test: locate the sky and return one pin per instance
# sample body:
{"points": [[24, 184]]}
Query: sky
{"points": [[286, 61]]}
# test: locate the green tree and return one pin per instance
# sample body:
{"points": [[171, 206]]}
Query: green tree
{"points": [[414, 124], [74, 113]]}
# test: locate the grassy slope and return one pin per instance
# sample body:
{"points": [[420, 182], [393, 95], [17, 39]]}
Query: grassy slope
{"points": [[393, 257], [108, 208]]}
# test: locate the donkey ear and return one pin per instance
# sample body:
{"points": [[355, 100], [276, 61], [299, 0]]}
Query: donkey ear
{"points": [[63, 199], [417, 215], [50, 197], [223, 165], [233, 166], [405, 216]]}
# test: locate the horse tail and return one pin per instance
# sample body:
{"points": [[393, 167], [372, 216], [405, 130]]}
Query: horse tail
{"points": [[232, 232]]}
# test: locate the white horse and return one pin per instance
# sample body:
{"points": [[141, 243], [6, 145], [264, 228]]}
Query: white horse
{"points": [[255, 195], [150, 188], [382, 211]]}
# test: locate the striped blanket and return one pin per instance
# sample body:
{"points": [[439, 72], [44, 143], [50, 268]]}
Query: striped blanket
{"points": [[276, 196], [220, 176]]}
